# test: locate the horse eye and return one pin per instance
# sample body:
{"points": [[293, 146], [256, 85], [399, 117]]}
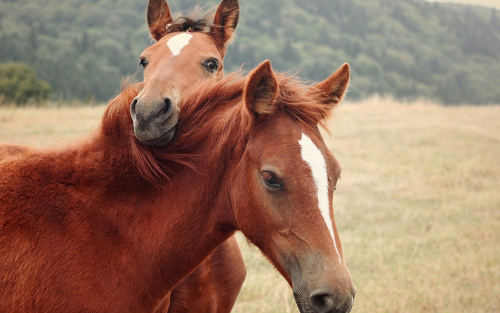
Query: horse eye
{"points": [[271, 180], [212, 65], [143, 62]]}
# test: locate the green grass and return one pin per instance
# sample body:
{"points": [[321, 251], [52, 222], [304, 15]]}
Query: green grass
{"points": [[417, 208]]}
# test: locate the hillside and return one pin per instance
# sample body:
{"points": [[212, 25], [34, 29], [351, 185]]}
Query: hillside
{"points": [[484, 3], [406, 48]]}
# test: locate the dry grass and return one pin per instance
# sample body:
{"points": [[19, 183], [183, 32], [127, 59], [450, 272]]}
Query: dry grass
{"points": [[418, 206], [41, 127]]}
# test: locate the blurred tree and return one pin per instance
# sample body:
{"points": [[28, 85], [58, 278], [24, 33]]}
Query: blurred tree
{"points": [[289, 53], [18, 84]]}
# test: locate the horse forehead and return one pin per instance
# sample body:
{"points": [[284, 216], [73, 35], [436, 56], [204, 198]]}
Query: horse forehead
{"points": [[178, 42], [191, 43], [316, 160]]}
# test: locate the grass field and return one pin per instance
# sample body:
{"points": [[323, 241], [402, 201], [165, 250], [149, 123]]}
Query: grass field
{"points": [[418, 205]]}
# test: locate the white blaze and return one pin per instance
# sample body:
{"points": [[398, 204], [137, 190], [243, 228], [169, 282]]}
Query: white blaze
{"points": [[311, 154], [178, 42]]}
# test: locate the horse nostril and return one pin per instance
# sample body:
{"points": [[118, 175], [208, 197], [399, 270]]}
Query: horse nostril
{"points": [[167, 104], [132, 106], [322, 301]]}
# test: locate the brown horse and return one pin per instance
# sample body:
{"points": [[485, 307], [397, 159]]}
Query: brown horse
{"points": [[187, 50], [87, 229], [174, 72]]}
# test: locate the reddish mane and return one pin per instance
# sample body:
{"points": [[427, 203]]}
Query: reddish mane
{"points": [[209, 111]]}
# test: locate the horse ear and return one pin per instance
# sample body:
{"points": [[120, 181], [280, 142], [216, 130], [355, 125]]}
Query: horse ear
{"points": [[333, 89], [158, 17], [261, 90], [226, 19]]}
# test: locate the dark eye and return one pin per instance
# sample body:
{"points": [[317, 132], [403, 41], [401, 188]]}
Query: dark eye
{"points": [[143, 62], [271, 180], [212, 65]]}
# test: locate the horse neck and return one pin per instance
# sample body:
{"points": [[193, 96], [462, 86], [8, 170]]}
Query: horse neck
{"points": [[194, 211], [171, 228]]}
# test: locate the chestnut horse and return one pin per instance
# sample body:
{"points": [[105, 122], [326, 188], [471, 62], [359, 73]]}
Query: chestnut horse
{"points": [[187, 50], [164, 66], [87, 229]]}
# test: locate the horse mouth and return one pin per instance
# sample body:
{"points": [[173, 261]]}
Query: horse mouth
{"points": [[156, 133], [162, 140]]}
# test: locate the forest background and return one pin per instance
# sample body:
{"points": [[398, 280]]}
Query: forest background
{"points": [[406, 49]]}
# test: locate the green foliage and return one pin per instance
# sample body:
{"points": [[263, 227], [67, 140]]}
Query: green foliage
{"points": [[18, 84], [404, 48]]}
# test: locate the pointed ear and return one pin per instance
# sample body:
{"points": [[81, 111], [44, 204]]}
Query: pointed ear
{"points": [[158, 17], [261, 90], [226, 19], [333, 89]]}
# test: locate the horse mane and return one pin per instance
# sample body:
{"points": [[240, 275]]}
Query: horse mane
{"points": [[214, 111], [295, 99], [116, 129], [211, 111]]}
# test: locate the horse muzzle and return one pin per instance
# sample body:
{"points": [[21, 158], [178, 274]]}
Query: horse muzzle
{"points": [[321, 287], [154, 122], [323, 301]]}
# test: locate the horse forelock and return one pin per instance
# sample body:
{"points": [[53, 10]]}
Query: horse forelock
{"points": [[198, 21], [296, 98]]}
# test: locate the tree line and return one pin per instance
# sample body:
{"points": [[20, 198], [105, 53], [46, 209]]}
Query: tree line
{"points": [[408, 49]]}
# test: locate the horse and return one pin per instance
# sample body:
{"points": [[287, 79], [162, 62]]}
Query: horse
{"points": [[185, 52], [106, 224], [202, 55]]}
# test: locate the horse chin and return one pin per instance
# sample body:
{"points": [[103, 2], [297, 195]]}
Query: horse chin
{"points": [[163, 140]]}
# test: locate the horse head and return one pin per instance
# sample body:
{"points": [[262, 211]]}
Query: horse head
{"points": [[186, 50], [285, 183]]}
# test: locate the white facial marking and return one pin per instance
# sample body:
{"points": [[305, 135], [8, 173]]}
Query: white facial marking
{"points": [[178, 42], [311, 154]]}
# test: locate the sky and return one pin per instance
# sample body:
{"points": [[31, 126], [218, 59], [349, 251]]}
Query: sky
{"points": [[486, 3]]}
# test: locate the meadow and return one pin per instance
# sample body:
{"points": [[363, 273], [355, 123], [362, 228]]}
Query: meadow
{"points": [[417, 207]]}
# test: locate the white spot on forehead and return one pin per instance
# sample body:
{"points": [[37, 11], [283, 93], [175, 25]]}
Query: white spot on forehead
{"points": [[313, 156], [178, 42]]}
